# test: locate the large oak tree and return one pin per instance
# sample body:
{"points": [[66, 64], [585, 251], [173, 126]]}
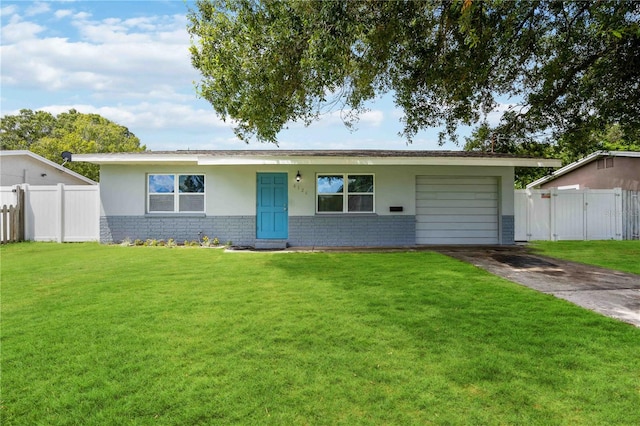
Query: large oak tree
{"points": [[568, 67]]}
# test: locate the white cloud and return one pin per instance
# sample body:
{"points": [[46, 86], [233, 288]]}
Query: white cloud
{"points": [[150, 115], [37, 8], [18, 31], [63, 13], [372, 118], [8, 10], [169, 29], [82, 15]]}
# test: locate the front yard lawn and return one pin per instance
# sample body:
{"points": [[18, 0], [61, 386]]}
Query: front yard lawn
{"points": [[619, 255], [99, 335]]}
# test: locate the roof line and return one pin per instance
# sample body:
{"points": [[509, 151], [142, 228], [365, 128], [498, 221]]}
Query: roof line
{"points": [[344, 157]]}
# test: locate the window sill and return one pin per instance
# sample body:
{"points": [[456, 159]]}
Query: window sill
{"points": [[347, 214], [175, 215]]}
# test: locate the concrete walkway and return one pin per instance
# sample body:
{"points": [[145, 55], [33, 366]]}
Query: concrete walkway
{"points": [[611, 293]]}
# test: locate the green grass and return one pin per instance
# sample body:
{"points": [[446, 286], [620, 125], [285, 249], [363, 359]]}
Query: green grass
{"points": [[619, 255], [98, 335]]}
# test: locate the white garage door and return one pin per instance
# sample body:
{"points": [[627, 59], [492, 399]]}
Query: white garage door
{"points": [[456, 210]]}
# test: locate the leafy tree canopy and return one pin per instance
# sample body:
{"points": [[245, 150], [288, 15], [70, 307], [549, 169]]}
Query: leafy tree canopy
{"points": [[48, 135], [569, 68]]}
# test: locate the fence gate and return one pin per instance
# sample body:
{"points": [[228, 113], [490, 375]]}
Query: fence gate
{"points": [[12, 218], [587, 214]]}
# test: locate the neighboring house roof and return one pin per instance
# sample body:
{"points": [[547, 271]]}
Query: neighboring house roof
{"points": [[318, 157], [580, 163], [43, 165]]}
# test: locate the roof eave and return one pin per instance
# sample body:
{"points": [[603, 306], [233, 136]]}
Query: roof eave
{"points": [[377, 161], [244, 160], [132, 159]]}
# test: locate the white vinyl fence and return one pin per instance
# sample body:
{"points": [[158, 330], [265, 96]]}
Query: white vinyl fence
{"points": [[586, 214], [62, 213], [8, 196]]}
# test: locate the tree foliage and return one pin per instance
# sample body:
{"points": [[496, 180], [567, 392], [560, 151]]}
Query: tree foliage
{"points": [[569, 68], [48, 135], [487, 139]]}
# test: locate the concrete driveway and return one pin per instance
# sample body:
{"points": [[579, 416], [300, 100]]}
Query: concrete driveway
{"points": [[611, 293]]}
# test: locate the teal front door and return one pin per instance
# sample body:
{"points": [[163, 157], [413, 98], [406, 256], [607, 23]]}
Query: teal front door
{"points": [[272, 217]]}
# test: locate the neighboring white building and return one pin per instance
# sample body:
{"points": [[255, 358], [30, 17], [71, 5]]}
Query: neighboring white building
{"points": [[310, 198], [18, 167]]}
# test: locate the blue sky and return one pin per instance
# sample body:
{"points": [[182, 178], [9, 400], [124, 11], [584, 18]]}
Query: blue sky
{"points": [[129, 62]]}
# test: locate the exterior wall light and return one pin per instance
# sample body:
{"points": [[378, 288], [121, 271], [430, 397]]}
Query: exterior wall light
{"points": [[298, 177]]}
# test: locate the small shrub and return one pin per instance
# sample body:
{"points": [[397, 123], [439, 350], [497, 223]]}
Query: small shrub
{"points": [[205, 241], [126, 242], [216, 241], [138, 242], [171, 242]]}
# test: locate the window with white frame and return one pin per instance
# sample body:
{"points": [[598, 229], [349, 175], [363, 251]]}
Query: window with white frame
{"points": [[175, 193], [345, 193]]}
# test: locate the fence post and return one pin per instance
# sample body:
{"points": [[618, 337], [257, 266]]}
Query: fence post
{"points": [[529, 198], [631, 215], [585, 213], [21, 215], [553, 192], [13, 224], [60, 211], [618, 212], [5, 226], [27, 226]]}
